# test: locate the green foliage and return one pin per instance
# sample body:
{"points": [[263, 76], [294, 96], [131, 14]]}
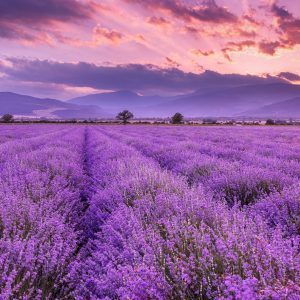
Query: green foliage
{"points": [[7, 118], [177, 118], [124, 116]]}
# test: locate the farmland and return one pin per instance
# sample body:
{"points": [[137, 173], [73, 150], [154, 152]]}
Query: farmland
{"points": [[149, 212]]}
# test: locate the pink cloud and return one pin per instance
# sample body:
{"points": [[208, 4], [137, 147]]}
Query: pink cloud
{"points": [[112, 36], [269, 47], [172, 63], [208, 11], [198, 52], [158, 21], [34, 21], [236, 47]]}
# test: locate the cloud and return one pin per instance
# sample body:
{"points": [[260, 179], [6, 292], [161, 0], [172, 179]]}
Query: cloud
{"points": [[198, 52], [288, 25], [158, 21], [283, 32], [269, 48], [113, 36], [289, 76], [131, 76], [45, 90], [280, 12], [12, 32], [26, 19], [208, 11], [191, 30], [172, 63], [251, 20], [287, 34], [246, 33], [236, 47], [46, 11]]}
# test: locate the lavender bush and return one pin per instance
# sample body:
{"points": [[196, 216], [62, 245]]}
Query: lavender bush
{"points": [[137, 212]]}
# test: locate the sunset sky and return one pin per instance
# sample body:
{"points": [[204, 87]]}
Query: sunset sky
{"points": [[55, 48]]}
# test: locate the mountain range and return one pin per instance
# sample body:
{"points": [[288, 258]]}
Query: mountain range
{"points": [[275, 100], [220, 101], [27, 106], [284, 109]]}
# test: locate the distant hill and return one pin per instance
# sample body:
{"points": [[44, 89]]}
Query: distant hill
{"points": [[27, 106], [228, 101], [202, 103], [256, 100], [116, 101], [284, 109], [214, 101]]}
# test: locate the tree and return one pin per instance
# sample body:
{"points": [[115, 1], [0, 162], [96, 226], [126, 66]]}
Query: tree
{"points": [[124, 116], [270, 122], [7, 118], [177, 118]]}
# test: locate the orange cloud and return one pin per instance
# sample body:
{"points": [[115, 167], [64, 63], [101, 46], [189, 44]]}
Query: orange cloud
{"points": [[198, 52], [289, 76], [269, 47], [158, 21], [172, 63], [26, 19], [208, 11], [112, 36], [12, 32], [191, 30], [153, 31], [288, 28], [236, 47], [246, 33]]}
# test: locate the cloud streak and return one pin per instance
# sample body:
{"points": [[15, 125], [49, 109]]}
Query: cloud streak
{"points": [[27, 19], [289, 76], [46, 11], [112, 36], [208, 11], [184, 35], [200, 53], [132, 76], [289, 27], [158, 21], [236, 47]]}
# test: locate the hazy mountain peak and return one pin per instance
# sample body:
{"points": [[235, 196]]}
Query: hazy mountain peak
{"points": [[28, 106], [230, 98]]}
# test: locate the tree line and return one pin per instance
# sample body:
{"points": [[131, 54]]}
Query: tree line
{"points": [[123, 116], [126, 115]]}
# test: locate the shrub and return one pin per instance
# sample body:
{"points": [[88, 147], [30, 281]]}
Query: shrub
{"points": [[270, 122]]}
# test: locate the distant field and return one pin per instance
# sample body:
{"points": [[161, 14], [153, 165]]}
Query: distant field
{"points": [[149, 212]]}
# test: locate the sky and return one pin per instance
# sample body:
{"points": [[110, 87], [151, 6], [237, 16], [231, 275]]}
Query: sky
{"points": [[63, 49]]}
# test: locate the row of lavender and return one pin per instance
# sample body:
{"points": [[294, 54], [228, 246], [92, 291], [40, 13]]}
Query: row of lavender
{"points": [[139, 213], [18, 131], [41, 181], [239, 166], [151, 234]]}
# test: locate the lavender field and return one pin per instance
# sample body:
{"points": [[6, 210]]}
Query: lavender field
{"points": [[146, 212]]}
